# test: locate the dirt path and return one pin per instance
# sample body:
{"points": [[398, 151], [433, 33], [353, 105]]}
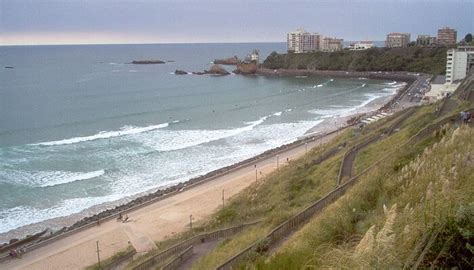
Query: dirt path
{"points": [[151, 223]]}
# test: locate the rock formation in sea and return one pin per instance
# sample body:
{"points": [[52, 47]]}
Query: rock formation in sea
{"points": [[180, 72], [227, 61], [214, 70], [147, 62]]}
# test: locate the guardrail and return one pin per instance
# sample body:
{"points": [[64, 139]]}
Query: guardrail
{"points": [[201, 238], [183, 256], [283, 229], [113, 264]]}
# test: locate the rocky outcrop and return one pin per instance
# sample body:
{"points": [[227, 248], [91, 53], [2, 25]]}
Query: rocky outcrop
{"points": [[228, 61], [147, 62], [246, 68], [217, 70], [214, 70], [180, 72]]}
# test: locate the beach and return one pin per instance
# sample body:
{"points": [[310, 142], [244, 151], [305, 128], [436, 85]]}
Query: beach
{"points": [[169, 214], [157, 221]]}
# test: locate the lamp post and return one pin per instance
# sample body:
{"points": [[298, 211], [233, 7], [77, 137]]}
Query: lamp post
{"points": [[278, 163], [255, 172], [98, 251], [222, 199], [191, 222], [306, 147]]}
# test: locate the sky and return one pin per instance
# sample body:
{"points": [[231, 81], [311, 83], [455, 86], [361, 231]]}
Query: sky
{"points": [[31, 22]]}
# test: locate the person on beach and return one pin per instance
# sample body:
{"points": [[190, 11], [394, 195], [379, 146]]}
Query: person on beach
{"points": [[119, 217], [125, 219]]}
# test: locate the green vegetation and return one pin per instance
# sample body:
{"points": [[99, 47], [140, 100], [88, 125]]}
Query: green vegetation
{"points": [[418, 214], [117, 256], [413, 209], [413, 59]]}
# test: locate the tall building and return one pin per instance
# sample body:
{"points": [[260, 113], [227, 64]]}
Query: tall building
{"points": [[361, 45], [301, 41], [459, 62], [397, 40], [331, 44], [447, 36], [425, 41]]}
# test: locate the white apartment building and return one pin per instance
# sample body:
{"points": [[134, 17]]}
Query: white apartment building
{"points": [[397, 40], [361, 45], [331, 44], [459, 62], [301, 41]]}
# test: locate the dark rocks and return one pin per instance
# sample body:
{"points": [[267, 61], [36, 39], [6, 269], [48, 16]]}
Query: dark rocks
{"points": [[228, 61], [246, 68], [217, 70], [147, 62], [10, 67], [180, 72], [214, 70]]}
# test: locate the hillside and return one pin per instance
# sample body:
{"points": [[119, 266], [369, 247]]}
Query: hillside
{"points": [[412, 59], [413, 209], [407, 203]]}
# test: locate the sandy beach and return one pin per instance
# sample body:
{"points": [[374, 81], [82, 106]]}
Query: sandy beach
{"points": [[154, 222], [170, 215]]}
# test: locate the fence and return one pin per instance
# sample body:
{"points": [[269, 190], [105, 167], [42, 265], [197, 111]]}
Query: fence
{"points": [[201, 238], [183, 256], [283, 229], [113, 264]]}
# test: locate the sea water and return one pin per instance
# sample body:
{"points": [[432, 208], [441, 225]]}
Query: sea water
{"points": [[80, 127]]}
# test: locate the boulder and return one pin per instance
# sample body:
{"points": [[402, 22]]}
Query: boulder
{"points": [[217, 70], [180, 72]]}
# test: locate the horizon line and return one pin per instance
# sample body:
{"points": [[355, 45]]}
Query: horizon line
{"points": [[149, 43], [140, 43]]}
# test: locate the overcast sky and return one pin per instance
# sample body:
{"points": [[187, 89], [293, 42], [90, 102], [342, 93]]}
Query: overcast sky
{"points": [[166, 21]]}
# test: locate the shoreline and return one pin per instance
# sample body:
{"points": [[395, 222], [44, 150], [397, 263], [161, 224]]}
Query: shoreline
{"points": [[131, 203]]}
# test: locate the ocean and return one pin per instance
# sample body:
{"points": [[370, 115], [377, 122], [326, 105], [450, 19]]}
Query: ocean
{"points": [[79, 127]]}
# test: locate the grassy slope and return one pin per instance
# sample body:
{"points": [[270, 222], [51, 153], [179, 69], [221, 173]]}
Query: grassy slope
{"points": [[428, 193], [283, 194], [415, 59]]}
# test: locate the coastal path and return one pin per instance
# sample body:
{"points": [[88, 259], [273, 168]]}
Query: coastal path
{"points": [[156, 221]]}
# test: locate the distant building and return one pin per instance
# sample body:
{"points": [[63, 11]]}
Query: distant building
{"points": [[397, 40], [331, 44], [361, 45], [301, 41], [425, 41], [459, 62], [253, 57], [447, 36]]}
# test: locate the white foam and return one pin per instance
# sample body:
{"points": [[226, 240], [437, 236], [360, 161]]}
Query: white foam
{"points": [[172, 140], [47, 178], [277, 113], [391, 83], [127, 130], [25, 215], [73, 177], [331, 80]]}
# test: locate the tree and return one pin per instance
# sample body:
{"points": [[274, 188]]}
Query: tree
{"points": [[468, 37]]}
